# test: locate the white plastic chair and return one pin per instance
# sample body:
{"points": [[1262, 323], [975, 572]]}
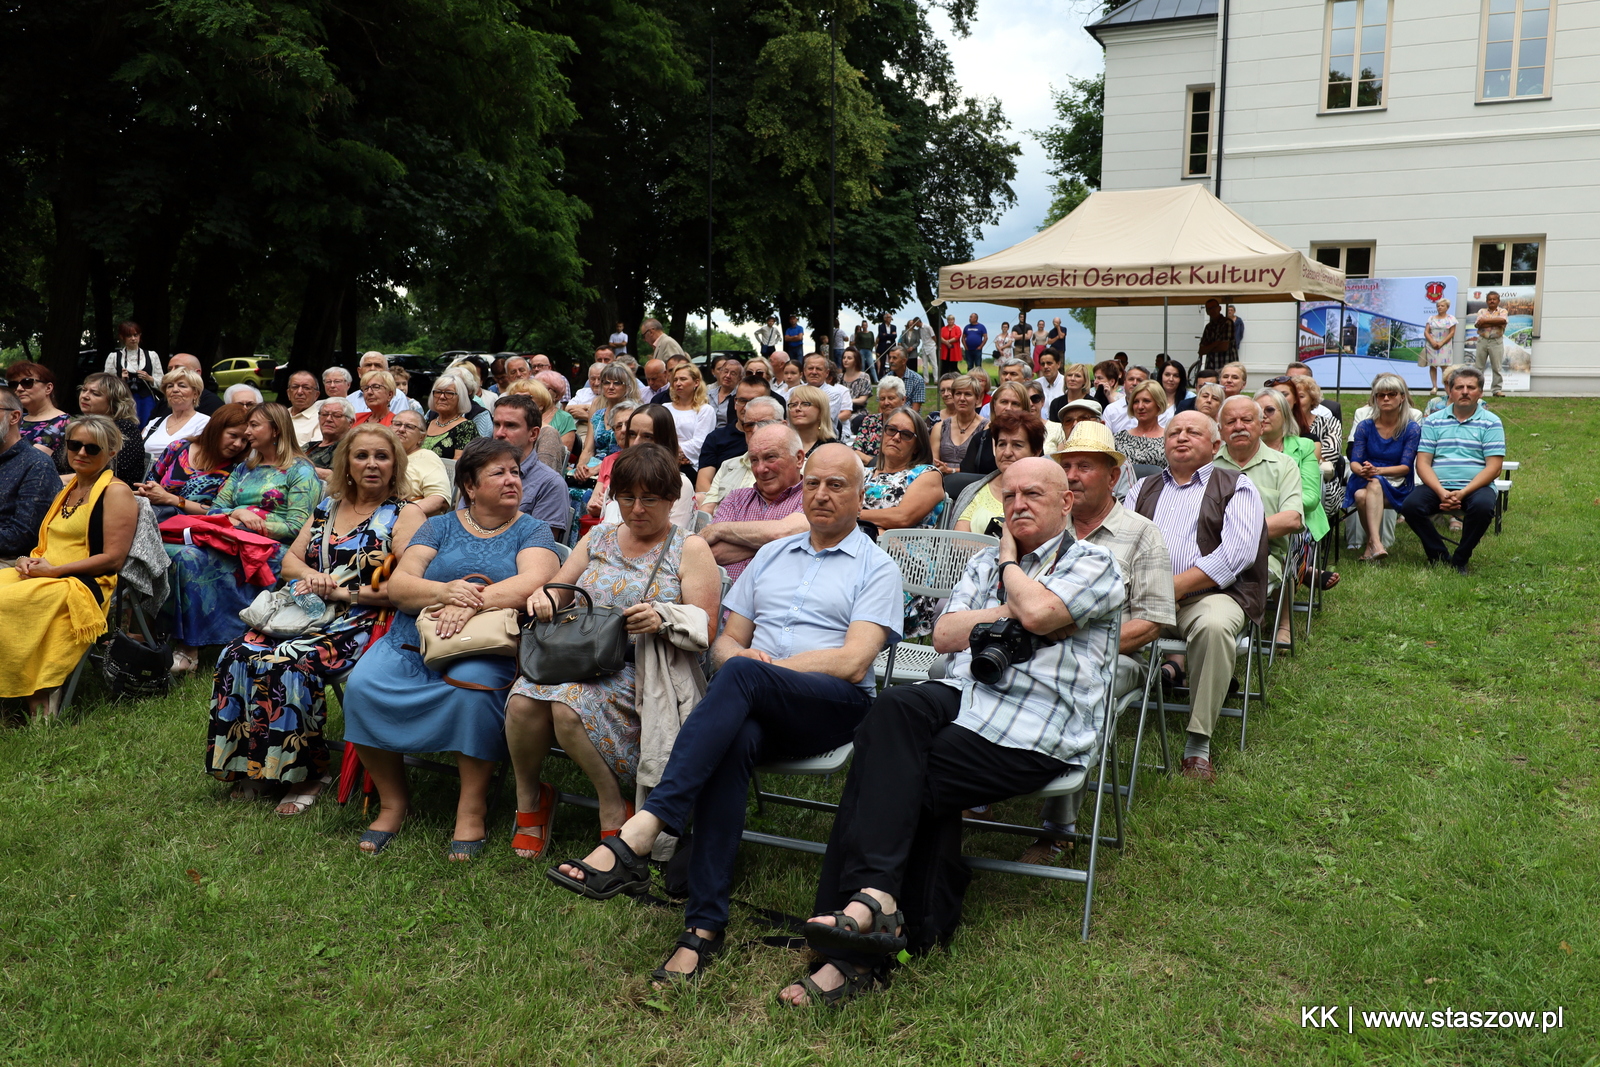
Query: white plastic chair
{"points": [[931, 563]]}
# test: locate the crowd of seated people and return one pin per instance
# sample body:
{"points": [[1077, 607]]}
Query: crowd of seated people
{"points": [[783, 596]]}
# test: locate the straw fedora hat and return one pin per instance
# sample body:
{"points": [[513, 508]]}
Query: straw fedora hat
{"points": [[1092, 437]]}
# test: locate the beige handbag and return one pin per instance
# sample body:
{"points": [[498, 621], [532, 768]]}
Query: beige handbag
{"points": [[491, 632]]}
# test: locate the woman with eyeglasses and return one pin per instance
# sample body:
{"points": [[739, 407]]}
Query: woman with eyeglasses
{"points": [[270, 494], [1275, 420], [649, 424], [596, 721], [44, 426], [378, 389], [108, 395], [53, 602], [1383, 460], [869, 437], [449, 431], [906, 491], [809, 412]]}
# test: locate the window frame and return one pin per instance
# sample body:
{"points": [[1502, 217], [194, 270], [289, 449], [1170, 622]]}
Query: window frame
{"points": [[1543, 241], [1344, 252], [1211, 133], [1516, 42], [1355, 79]]}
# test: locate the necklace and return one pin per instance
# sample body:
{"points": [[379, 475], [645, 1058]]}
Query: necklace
{"points": [[66, 508], [466, 513]]}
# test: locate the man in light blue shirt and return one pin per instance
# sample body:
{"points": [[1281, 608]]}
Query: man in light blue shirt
{"points": [[807, 618], [926, 752], [1460, 455]]}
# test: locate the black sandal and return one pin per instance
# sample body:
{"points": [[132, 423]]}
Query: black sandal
{"points": [[846, 934], [631, 874], [855, 983], [705, 949], [1172, 675]]}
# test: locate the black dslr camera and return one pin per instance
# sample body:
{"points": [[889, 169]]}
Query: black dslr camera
{"points": [[997, 645]]}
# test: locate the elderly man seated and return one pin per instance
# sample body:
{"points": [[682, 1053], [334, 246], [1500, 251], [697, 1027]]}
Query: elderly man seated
{"points": [[794, 679], [1093, 465], [729, 441], [999, 725], [735, 473], [756, 515], [1461, 453], [1216, 534], [1276, 477]]}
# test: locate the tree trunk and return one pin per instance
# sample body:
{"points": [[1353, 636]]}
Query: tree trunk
{"points": [[208, 305], [151, 283], [67, 284], [104, 330], [348, 341], [679, 321], [318, 325]]}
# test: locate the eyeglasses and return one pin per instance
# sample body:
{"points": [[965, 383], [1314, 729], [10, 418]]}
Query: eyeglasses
{"points": [[1282, 379], [24, 383], [86, 447], [626, 502], [895, 431], [1388, 395]]}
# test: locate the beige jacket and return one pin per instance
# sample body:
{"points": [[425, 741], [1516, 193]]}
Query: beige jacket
{"points": [[668, 683]]}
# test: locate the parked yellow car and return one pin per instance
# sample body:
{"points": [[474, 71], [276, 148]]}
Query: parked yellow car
{"points": [[256, 371]]}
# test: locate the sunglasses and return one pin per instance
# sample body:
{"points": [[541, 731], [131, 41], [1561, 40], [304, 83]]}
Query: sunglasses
{"points": [[1386, 396], [895, 431], [86, 447], [1282, 379], [24, 383]]}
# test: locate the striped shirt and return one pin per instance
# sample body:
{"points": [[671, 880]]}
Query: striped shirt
{"points": [[1461, 449], [1054, 703], [1178, 516], [748, 505]]}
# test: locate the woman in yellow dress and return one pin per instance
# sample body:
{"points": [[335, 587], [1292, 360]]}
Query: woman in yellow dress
{"points": [[53, 603]]}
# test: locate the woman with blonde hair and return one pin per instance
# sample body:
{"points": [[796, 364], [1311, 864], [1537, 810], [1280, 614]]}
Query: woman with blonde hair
{"points": [[1144, 442], [377, 389], [1078, 379], [809, 416], [270, 494], [108, 395], [267, 707], [53, 602], [182, 388], [1383, 459], [695, 417], [955, 432], [1233, 378]]}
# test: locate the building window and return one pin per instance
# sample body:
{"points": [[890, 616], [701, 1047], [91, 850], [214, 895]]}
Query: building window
{"points": [[1510, 263], [1354, 260], [1516, 48], [1358, 54], [1197, 134]]}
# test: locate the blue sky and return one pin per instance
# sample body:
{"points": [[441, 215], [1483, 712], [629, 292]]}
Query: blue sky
{"points": [[988, 64]]}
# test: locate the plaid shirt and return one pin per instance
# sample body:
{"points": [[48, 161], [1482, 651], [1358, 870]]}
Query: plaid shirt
{"points": [[1143, 560], [748, 505], [1054, 703]]}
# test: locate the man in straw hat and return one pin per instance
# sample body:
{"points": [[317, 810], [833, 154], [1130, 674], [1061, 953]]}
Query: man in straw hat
{"points": [[1092, 464], [1216, 533]]}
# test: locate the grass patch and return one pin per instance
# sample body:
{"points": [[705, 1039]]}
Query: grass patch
{"points": [[1414, 826]]}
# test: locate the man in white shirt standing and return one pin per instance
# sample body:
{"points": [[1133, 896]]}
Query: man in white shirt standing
{"points": [[1050, 377]]}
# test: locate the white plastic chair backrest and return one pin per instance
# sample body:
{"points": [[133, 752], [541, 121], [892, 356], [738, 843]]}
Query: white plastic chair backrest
{"points": [[931, 562], [698, 520], [450, 477], [563, 551]]}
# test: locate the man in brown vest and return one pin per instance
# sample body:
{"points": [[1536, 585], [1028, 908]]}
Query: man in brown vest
{"points": [[1215, 531]]}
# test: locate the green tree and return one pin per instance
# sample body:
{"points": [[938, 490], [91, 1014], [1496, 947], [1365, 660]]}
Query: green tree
{"points": [[1073, 148]]}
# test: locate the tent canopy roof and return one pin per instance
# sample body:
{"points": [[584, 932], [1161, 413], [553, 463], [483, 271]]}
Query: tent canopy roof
{"points": [[1140, 248]]}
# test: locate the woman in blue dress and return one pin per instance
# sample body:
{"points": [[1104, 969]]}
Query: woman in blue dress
{"points": [[395, 703], [267, 708], [270, 493], [1383, 459]]}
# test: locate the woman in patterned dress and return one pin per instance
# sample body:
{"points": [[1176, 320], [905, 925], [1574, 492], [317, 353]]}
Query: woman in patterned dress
{"points": [[596, 721], [186, 478], [1145, 442], [270, 493], [906, 491], [267, 706], [450, 430]]}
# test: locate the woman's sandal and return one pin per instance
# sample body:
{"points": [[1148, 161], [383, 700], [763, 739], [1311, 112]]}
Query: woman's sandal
{"points": [[630, 875], [525, 845], [627, 813], [465, 851], [378, 839], [855, 983], [1326, 579], [183, 663], [300, 800], [846, 935], [705, 949]]}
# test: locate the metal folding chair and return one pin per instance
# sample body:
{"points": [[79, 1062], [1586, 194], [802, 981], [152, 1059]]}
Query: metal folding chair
{"points": [[1250, 647]]}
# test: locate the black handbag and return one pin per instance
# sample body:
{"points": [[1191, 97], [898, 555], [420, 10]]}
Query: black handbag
{"points": [[133, 668], [578, 644]]}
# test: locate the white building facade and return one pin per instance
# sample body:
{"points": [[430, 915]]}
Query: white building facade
{"points": [[1389, 138]]}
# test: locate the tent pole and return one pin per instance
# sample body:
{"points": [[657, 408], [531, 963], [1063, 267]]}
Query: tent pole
{"points": [[1166, 350], [1338, 374]]}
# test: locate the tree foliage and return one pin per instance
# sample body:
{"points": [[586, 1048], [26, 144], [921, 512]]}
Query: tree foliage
{"points": [[1073, 147], [243, 175]]}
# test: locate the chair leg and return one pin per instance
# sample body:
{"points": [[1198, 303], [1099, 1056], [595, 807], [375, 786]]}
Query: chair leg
{"points": [[1094, 846]]}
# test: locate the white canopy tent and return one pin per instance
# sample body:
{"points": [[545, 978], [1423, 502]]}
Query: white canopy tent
{"points": [[1141, 248]]}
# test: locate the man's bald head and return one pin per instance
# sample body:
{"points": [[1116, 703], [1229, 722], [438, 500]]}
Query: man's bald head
{"points": [[837, 458], [831, 493], [184, 359], [1037, 501]]}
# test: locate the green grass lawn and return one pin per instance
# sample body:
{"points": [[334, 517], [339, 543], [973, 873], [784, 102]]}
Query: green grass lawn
{"points": [[1414, 827]]}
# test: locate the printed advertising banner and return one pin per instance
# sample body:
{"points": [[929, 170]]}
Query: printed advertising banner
{"points": [[1518, 304], [1379, 330]]}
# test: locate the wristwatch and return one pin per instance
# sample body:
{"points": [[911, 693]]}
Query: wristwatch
{"points": [[1001, 574]]}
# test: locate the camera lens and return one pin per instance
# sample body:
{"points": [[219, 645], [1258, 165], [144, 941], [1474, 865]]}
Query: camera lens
{"points": [[988, 664]]}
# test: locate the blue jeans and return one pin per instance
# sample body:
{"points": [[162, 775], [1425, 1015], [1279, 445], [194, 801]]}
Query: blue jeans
{"points": [[752, 713], [1477, 512]]}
